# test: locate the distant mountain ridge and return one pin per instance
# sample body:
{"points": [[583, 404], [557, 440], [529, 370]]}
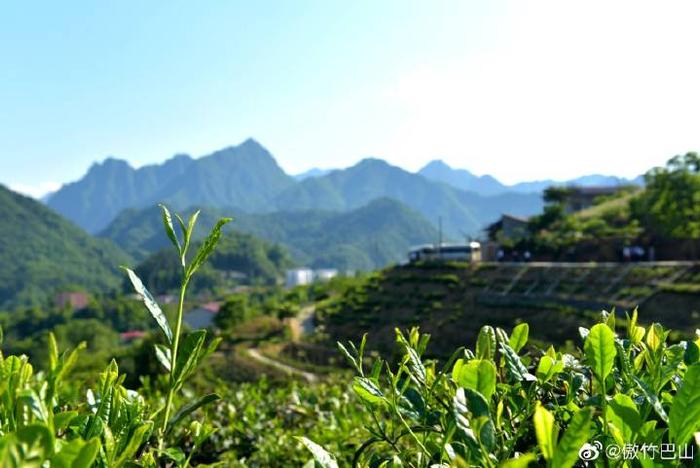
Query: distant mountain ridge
{"points": [[366, 238], [462, 179], [41, 254], [247, 177], [313, 172], [462, 213]]}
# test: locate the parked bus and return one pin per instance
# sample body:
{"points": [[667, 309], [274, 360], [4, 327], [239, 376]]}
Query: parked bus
{"points": [[470, 252]]}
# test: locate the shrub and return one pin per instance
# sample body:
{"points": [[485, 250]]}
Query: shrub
{"points": [[494, 405], [43, 425]]}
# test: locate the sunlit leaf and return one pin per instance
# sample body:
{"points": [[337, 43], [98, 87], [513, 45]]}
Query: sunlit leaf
{"points": [[169, 230], [150, 304], [684, 417], [600, 350], [321, 456], [486, 343], [545, 431], [188, 355], [163, 356], [577, 433], [518, 337], [623, 413], [207, 246], [368, 391], [477, 374]]}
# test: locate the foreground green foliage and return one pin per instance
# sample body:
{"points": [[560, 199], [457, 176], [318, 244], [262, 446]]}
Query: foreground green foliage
{"points": [[180, 363], [112, 426], [495, 404], [503, 402]]}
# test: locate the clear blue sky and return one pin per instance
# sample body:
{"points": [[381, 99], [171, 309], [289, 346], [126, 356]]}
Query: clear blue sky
{"points": [[521, 90]]}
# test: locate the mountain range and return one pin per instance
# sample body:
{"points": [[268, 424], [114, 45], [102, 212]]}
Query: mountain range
{"points": [[362, 217], [248, 179], [487, 185], [462, 179]]}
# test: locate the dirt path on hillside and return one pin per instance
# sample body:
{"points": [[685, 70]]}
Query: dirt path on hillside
{"points": [[256, 355], [303, 323]]}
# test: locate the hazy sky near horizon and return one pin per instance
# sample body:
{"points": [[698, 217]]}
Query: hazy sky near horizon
{"points": [[520, 90]]}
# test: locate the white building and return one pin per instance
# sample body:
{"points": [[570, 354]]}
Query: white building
{"points": [[299, 277], [325, 274]]}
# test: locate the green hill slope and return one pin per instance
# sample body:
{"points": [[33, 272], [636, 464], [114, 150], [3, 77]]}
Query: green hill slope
{"points": [[238, 259], [40, 253], [451, 301], [371, 236]]}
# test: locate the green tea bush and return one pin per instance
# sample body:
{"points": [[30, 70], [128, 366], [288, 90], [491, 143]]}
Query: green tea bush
{"points": [[504, 403], [495, 406], [41, 425]]}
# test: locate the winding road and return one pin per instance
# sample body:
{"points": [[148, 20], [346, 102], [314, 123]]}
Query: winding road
{"points": [[256, 355]]}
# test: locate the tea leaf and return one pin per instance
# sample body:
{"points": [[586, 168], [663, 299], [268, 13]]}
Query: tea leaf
{"points": [[609, 319], [577, 434], [207, 247], [514, 365], [62, 419], [368, 391], [461, 413], [486, 343], [188, 356], [191, 407], [692, 353], [655, 336], [134, 442], [523, 461], [175, 454], [169, 230], [348, 356], [481, 421], [76, 454], [150, 304], [518, 337], [651, 398], [477, 374], [600, 350], [415, 364], [545, 431], [684, 417], [623, 413], [322, 457], [163, 356]]}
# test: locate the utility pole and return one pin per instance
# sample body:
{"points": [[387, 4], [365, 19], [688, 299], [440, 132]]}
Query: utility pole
{"points": [[439, 249]]}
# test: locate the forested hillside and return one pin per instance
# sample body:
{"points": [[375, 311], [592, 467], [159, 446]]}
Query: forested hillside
{"points": [[369, 237], [41, 253], [240, 259], [663, 216]]}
